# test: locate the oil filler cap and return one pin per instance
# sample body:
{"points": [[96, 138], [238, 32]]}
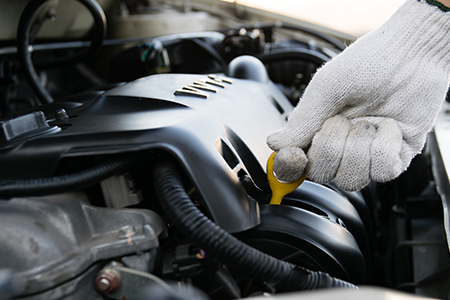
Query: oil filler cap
{"points": [[25, 127]]}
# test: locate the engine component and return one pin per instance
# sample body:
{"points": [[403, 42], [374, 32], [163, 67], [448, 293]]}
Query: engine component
{"points": [[54, 239], [25, 126], [317, 228], [108, 281], [184, 125], [138, 116], [243, 42], [60, 184], [337, 208], [119, 191], [10, 284], [23, 37], [118, 282], [80, 212], [186, 261], [247, 67], [276, 274]]}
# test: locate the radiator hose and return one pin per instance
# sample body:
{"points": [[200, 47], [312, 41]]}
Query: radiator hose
{"points": [[23, 46], [276, 274]]}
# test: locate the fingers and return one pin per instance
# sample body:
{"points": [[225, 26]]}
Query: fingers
{"points": [[354, 169], [327, 149], [351, 154], [386, 149], [342, 151]]}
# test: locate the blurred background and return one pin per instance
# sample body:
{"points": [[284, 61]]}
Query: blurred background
{"points": [[354, 17]]}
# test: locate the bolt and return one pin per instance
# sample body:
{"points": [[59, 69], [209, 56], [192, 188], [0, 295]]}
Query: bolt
{"points": [[107, 281], [61, 114], [52, 14], [246, 181], [103, 285]]}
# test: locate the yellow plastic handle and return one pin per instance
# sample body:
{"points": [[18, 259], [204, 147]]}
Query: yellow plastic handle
{"points": [[280, 189]]}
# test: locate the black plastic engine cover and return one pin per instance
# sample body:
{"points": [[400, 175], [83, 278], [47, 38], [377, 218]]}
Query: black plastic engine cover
{"points": [[213, 138], [308, 239]]}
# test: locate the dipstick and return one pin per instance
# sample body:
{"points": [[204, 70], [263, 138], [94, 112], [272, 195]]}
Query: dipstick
{"points": [[279, 188]]}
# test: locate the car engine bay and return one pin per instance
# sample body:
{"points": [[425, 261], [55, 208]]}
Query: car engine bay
{"points": [[135, 168]]}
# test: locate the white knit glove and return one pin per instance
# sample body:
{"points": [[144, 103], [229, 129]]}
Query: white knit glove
{"points": [[367, 112]]}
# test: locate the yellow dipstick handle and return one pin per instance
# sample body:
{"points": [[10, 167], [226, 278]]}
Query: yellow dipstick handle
{"points": [[280, 189]]}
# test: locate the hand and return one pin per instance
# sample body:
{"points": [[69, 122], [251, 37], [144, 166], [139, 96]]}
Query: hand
{"points": [[367, 112]]}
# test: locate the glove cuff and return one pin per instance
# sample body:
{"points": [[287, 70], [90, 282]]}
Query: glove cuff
{"points": [[418, 31], [439, 5]]}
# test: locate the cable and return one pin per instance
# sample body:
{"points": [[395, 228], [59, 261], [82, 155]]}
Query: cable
{"points": [[297, 54], [23, 47], [191, 222], [210, 50], [64, 183], [326, 37]]}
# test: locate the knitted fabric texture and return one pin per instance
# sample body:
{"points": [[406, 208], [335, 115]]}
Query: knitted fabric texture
{"points": [[367, 112]]}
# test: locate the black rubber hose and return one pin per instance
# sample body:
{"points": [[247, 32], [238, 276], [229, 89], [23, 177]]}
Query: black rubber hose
{"points": [[326, 37], [298, 54], [64, 183], [23, 35], [275, 273], [210, 50]]}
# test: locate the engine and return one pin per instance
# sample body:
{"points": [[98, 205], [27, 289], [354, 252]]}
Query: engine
{"points": [[148, 179]]}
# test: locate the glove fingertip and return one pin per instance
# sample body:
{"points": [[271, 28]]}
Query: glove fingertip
{"points": [[277, 140], [290, 163]]}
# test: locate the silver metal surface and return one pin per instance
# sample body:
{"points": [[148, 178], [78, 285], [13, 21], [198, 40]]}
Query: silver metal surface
{"points": [[439, 147], [365, 292], [54, 239]]}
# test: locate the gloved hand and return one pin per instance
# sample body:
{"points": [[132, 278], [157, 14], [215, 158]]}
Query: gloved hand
{"points": [[367, 112]]}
